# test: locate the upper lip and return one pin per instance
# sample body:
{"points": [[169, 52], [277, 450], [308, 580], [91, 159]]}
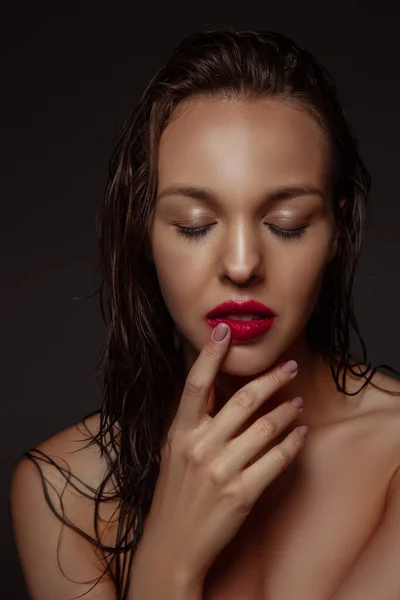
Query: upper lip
{"points": [[250, 307]]}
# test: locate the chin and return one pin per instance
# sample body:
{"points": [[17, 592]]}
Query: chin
{"points": [[246, 367]]}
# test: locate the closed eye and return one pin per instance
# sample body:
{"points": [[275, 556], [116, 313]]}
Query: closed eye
{"points": [[197, 232]]}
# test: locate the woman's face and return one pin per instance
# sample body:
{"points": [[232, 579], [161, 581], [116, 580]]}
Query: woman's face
{"points": [[240, 152]]}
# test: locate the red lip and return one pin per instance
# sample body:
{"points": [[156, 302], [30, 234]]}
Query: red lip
{"points": [[246, 307]]}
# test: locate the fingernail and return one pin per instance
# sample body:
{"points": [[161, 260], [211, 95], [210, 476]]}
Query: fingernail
{"points": [[289, 367], [303, 430], [220, 332], [298, 402]]}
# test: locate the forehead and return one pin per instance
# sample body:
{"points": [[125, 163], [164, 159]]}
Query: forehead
{"points": [[236, 143]]}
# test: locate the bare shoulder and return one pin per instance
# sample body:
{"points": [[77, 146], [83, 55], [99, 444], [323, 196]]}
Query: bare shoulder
{"points": [[383, 394], [382, 409], [371, 419], [85, 469], [384, 400], [63, 471]]}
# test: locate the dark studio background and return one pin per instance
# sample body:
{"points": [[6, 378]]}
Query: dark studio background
{"points": [[69, 78]]}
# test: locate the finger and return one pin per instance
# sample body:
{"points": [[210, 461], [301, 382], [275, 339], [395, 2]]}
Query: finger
{"points": [[257, 439], [256, 478], [196, 392], [245, 402]]}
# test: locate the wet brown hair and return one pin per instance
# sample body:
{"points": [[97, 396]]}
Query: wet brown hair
{"points": [[141, 362]]}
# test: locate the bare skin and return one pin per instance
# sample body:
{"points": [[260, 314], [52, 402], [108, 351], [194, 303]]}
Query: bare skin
{"points": [[242, 151], [307, 529], [312, 522]]}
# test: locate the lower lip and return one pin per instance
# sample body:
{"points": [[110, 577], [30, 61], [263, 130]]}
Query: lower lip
{"points": [[243, 331]]}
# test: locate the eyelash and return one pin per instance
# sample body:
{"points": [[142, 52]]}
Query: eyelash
{"points": [[197, 232]]}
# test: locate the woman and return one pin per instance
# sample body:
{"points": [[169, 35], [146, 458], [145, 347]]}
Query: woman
{"points": [[238, 179]]}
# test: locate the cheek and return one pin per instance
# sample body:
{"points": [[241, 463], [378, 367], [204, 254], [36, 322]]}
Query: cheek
{"points": [[302, 277], [180, 273], [178, 283]]}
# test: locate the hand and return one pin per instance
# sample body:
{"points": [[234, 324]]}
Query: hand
{"points": [[205, 488]]}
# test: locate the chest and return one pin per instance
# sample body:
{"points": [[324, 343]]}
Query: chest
{"points": [[314, 520]]}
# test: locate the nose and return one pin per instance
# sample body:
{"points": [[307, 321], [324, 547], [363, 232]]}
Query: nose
{"points": [[242, 255]]}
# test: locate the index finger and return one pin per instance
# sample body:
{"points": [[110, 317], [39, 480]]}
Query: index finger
{"points": [[193, 403]]}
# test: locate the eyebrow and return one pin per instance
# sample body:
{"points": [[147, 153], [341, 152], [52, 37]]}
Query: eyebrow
{"points": [[208, 196]]}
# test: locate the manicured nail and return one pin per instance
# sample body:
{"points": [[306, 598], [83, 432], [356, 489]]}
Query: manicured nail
{"points": [[303, 430], [298, 402], [220, 332], [289, 367]]}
